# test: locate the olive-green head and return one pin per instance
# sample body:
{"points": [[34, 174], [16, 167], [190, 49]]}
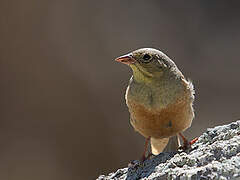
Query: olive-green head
{"points": [[147, 63]]}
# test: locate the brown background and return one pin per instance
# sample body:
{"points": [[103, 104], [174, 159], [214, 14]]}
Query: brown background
{"points": [[62, 109]]}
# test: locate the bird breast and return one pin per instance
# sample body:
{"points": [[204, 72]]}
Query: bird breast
{"points": [[159, 112]]}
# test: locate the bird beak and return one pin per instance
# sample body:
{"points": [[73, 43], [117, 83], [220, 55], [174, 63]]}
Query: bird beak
{"points": [[126, 59]]}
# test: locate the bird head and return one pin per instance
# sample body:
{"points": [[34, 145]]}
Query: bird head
{"points": [[147, 63]]}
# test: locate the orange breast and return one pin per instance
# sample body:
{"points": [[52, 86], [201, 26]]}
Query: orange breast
{"points": [[161, 123]]}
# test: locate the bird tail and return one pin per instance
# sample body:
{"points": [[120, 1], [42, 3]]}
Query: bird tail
{"points": [[164, 144]]}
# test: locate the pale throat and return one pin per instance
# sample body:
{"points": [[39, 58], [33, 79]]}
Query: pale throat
{"points": [[154, 91], [141, 76]]}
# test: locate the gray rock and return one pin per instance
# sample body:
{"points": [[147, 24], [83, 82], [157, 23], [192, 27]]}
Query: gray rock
{"points": [[216, 155]]}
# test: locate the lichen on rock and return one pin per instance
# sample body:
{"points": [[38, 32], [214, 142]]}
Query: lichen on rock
{"points": [[216, 155]]}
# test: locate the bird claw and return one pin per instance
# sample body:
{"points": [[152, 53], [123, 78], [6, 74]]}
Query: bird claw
{"points": [[143, 158], [187, 145], [139, 163], [149, 156], [134, 164]]}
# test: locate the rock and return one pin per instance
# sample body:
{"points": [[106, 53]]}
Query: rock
{"points": [[216, 155]]}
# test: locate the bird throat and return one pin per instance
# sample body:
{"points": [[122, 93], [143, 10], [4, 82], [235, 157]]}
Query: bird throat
{"points": [[153, 91], [140, 75]]}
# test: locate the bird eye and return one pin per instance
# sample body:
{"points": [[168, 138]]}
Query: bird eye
{"points": [[146, 58]]}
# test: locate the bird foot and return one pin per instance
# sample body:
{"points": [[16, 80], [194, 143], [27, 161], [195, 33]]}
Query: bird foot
{"points": [[139, 163], [186, 144], [143, 158], [134, 164]]}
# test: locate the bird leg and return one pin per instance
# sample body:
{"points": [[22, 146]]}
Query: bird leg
{"points": [[143, 158], [187, 144]]}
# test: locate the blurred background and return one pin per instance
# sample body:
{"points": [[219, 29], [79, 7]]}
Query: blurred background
{"points": [[62, 109]]}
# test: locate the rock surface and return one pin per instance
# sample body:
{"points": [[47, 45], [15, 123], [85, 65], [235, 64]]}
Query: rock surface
{"points": [[216, 155]]}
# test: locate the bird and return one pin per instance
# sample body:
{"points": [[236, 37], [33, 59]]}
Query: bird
{"points": [[159, 99]]}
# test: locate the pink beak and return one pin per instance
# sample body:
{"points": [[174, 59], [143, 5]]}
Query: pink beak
{"points": [[126, 59]]}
